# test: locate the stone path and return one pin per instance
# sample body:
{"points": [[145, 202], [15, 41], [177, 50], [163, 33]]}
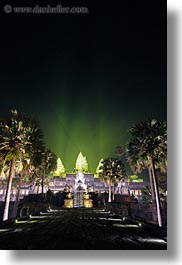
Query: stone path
{"points": [[80, 229]]}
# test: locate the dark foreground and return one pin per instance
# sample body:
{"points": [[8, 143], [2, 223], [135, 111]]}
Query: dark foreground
{"points": [[80, 229]]}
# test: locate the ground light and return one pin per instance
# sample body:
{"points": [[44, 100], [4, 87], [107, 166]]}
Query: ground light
{"points": [[37, 216], [11, 230], [4, 230], [110, 219], [25, 222], [121, 225], [152, 240]]}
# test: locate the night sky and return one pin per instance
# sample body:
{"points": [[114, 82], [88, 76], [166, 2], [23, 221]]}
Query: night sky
{"points": [[87, 78]]}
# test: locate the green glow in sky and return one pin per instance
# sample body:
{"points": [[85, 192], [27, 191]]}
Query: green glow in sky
{"points": [[95, 138], [93, 123]]}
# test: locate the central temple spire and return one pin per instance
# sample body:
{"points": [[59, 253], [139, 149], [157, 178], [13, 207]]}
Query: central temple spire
{"points": [[81, 163]]}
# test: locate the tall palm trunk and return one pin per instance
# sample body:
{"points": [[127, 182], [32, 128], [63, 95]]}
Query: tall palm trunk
{"points": [[34, 188], [38, 189], [8, 190], [109, 198], [154, 209], [151, 183], [42, 184], [157, 199], [15, 206], [113, 191]]}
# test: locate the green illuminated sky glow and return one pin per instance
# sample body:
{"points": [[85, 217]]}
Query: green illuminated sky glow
{"points": [[86, 78]]}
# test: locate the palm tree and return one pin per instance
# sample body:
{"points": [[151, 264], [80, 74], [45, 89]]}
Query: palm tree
{"points": [[147, 148], [47, 165], [23, 171], [13, 139], [112, 171], [4, 172], [20, 138]]}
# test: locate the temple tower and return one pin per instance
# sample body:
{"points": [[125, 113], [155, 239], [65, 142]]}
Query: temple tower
{"points": [[81, 163], [60, 170]]}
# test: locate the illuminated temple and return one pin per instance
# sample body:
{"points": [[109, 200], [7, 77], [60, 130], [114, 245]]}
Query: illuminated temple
{"points": [[80, 179]]}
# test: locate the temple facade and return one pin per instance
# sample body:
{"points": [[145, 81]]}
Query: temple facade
{"points": [[79, 180]]}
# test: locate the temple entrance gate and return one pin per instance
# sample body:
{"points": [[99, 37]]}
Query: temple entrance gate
{"points": [[78, 199]]}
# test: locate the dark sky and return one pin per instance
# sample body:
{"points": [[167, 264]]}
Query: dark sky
{"points": [[87, 78]]}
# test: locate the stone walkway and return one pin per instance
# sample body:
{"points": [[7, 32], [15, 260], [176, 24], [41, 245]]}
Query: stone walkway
{"points": [[80, 229]]}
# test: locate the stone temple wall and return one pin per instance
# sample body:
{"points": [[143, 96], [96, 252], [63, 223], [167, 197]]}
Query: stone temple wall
{"points": [[92, 184]]}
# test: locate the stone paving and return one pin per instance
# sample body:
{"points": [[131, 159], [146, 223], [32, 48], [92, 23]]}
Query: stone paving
{"points": [[85, 229]]}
